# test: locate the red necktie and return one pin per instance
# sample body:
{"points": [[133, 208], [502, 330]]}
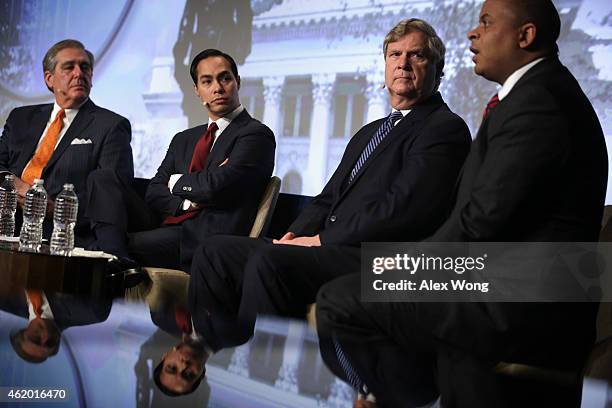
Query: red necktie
{"points": [[183, 319], [198, 163], [493, 102], [36, 300]]}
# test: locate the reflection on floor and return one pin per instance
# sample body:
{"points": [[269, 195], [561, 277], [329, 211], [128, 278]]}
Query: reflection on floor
{"points": [[111, 363], [108, 360]]}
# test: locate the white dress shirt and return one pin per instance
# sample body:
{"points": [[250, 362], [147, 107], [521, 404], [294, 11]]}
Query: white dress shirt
{"points": [[69, 116], [46, 308], [404, 113], [514, 78]]}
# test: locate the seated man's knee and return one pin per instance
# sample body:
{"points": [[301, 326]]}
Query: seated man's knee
{"points": [[333, 307], [265, 262]]}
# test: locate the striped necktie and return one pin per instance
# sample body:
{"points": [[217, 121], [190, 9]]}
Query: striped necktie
{"points": [[351, 374], [493, 102], [378, 137]]}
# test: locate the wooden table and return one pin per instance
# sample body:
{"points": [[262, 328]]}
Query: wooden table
{"points": [[52, 273]]}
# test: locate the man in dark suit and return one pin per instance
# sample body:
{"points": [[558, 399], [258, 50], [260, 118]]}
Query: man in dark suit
{"points": [[48, 315], [536, 172], [65, 141], [210, 182], [386, 187], [182, 367]]}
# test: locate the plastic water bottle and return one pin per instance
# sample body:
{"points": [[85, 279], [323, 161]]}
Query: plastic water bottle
{"points": [[34, 210], [8, 205], [64, 220]]}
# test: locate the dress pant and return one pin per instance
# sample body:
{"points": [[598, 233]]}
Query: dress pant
{"points": [[124, 224], [159, 247], [383, 342], [406, 352], [240, 277]]}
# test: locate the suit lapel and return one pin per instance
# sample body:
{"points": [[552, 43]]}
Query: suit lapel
{"points": [[402, 130], [78, 125], [226, 138], [184, 163], [471, 165], [354, 149], [398, 130], [33, 135]]}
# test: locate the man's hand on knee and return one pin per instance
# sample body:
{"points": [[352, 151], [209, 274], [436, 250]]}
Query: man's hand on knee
{"points": [[290, 239]]}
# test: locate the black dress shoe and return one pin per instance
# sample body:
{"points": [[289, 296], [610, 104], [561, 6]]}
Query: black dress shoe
{"points": [[126, 270]]}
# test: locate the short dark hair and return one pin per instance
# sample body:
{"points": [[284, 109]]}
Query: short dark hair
{"points": [[166, 390], [211, 52], [544, 15]]}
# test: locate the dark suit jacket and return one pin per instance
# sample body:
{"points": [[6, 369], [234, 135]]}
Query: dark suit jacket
{"points": [[229, 194], [538, 167], [404, 190], [68, 310], [536, 172], [70, 163]]}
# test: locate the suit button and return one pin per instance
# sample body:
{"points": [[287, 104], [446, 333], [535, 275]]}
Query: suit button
{"points": [[184, 188], [188, 188], [332, 218]]}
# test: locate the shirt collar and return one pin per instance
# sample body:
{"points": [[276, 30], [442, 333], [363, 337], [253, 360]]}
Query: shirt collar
{"points": [[403, 111], [47, 313], [514, 78], [224, 122], [70, 113]]}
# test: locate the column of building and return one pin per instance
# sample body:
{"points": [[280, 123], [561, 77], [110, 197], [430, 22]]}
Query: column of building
{"points": [[273, 89], [320, 130], [239, 364], [287, 374]]}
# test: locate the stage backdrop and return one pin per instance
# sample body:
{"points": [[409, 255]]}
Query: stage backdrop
{"points": [[311, 70]]}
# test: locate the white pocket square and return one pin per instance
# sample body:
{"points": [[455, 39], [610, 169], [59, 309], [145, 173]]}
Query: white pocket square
{"points": [[81, 141]]}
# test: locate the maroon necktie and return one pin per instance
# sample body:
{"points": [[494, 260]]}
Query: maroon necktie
{"points": [[183, 319], [198, 163], [493, 102]]}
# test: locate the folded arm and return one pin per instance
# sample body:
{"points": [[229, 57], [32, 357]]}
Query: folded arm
{"points": [[251, 158]]}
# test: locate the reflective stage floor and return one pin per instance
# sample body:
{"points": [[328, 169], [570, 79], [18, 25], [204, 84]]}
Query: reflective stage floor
{"points": [[110, 346], [110, 363]]}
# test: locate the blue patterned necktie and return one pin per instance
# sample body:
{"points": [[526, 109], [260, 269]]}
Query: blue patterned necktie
{"points": [[349, 371], [378, 137]]}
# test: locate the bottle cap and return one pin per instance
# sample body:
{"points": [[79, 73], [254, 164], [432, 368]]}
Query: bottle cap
{"points": [[39, 181], [68, 186]]}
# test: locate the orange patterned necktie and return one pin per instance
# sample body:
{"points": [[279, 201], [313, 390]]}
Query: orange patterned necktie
{"points": [[35, 167], [36, 300]]}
